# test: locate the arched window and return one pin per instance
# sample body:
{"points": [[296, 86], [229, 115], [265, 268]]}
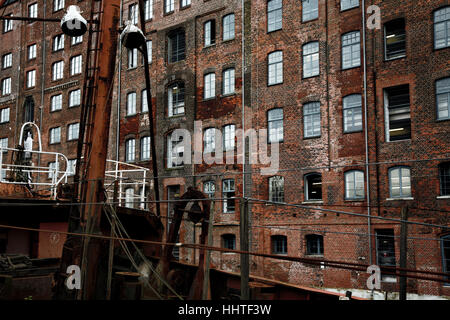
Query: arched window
{"points": [[442, 28], [176, 99], [130, 150]]}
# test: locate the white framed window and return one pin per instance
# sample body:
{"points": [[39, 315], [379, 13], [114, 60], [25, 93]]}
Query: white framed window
{"points": [[148, 9], [169, 6], [351, 50], [129, 198], [310, 10], [209, 35], [209, 188], [7, 60], [228, 193], [73, 131], [32, 51], [228, 81], [275, 125], [275, 68], [33, 10], [149, 50], [279, 244], [144, 103], [55, 135], [145, 148], [352, 109], [76, 64], [71, 167], [228, 26], [76, 40], [442, 28], [6, 86], [58, 5], [175, 151], [56, 102], [209, 140], [349, 4], [400, 182], [209, 86], [274, 15], [177, 46], [311, 63], [31, 78], [133, 13], [354, 185], [176, 99], [276, 189], [130, 150], [185, 3], [58, 42], [74, 98], [57, 70], [443, 98], [4, 115], [52, 170], [311, 120], [4, 144], [131, 103], [7, 25], [229, 137], [132, 58]]}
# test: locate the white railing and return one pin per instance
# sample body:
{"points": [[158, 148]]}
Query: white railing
{"points": [[52, 176], [129, 177]]}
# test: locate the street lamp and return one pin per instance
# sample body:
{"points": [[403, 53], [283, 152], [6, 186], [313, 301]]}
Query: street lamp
{"points": [[132, 37], [73, 24]]}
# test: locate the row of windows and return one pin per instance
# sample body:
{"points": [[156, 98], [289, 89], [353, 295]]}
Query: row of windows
{"points": [[130, 149], [74, 100], [72, 133]]}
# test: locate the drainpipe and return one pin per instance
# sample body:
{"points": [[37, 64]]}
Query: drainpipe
{"points": [[369, 224], [243, 94], [119, 85], [44, 56]]}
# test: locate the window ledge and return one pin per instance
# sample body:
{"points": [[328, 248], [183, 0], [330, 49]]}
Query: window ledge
{"points": [[396, 58], [443, 197], [229, 253], [313, 202], [400, 199], [228, 40]]}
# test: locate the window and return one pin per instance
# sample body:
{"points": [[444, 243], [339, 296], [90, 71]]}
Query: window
{"points": [[228, 193], [6, 86], [130, 150], [314, 244], [74, 98], [279, 245], [133, 13], [145, 148], [75, 65], [185, 3], [33, 10], [274, 15], [311, 120], [209, 33], [275, 66], [7, 25], [176, 96], [53, 170], [310, 10], [275, 125], [57, 70], [352, 113], [229, 241], [29, 109], [228, 81], [398, 113], [349, 4], [354, 185], [442, 28], [209, 86], [385, 247], [445, 244], [76, 40], [131, 103], [31, 78], [175, 151], [56, 102], [351, 50], [395, 39], [228, 27], [311, 60], [144, 102], [4, 144], [169, 6], [129, 198], [148, 9], [73, 131], [7, 61], [276, 189], [209, 140], [443, 98], [149, 50], [55, 135], [400, 182], [229, 134], [32, 52], [58, 42], [4, 115], [313, 187], [58, 5], [177, 46], [132, 58], [209, 188], [71, 167], [444, 178]]}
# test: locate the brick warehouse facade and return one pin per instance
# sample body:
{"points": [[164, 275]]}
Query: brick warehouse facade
{"points": [[319, 106]]}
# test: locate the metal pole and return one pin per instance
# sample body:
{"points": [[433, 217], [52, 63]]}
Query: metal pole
{"points": [[205, 292], [111, 242], [245, 263], [403, 253], [150, 110]]}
